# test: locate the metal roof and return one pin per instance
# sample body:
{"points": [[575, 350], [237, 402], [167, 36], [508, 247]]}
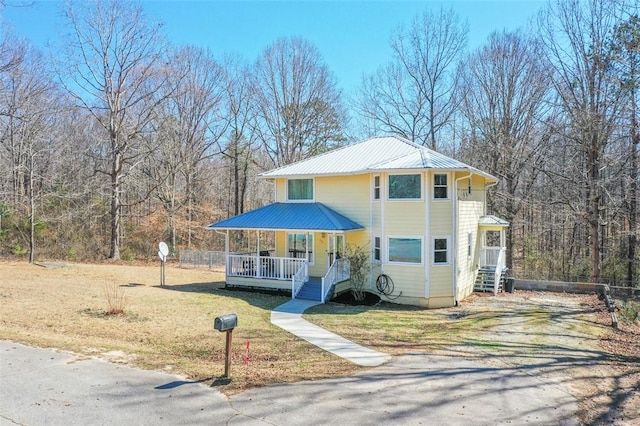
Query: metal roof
{"points": [[492, 220], [375, 154], [290, 216]]}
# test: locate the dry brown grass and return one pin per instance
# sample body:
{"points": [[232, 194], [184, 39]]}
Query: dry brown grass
{"points": [[171, 329], [166, 328]]}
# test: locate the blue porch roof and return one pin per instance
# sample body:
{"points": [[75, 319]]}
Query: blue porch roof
{"points": [[290, 216]]}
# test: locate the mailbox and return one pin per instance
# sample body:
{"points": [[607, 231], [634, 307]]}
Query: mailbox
{"points": [[226, 322]]}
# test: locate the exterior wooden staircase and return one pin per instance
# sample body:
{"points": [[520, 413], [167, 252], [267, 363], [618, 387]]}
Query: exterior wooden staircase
{"points": [[486, 277]]}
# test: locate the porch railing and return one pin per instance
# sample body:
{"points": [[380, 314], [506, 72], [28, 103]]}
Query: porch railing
{"points": [[500, 265], [489, 255], [299, 278], [252, 266], [339, 271]]}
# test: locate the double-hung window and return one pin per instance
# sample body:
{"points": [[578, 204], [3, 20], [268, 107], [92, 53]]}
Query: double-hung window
{"points": [[376, 187], [440, 187], [300, 189], [440, 250], [377, 249]]}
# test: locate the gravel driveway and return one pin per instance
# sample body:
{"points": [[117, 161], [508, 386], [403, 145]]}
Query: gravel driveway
{"points": [[561, 340]]}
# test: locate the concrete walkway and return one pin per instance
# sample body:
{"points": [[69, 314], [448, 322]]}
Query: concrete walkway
{"points": [[289, 317]]}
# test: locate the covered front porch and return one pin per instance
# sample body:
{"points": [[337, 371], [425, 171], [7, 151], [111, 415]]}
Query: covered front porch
{"points": [[296, 246]]}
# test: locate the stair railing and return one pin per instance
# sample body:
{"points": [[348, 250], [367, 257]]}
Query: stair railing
{"points": [[338, 271], [298, 280], [500, 265]]}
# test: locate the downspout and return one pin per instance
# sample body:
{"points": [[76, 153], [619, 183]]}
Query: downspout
{"points": [[486, 187], [455, 237]]}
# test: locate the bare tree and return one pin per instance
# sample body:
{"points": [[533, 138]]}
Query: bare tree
{"points": [[188, 129], [241, 144], [506, 105], [415, 96], [300, 109], [626, 48], [576, 35], [111, 56], [27, 135]]}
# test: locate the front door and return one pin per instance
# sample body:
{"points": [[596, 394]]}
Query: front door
{"points": [[336, 247]]}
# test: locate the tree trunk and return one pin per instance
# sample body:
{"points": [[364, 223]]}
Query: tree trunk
{"points": [[633, 189], [32, 211], [593, 209], [116, 207]]}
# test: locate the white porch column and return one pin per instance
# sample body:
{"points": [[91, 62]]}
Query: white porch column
{"points": [[226, 253]]}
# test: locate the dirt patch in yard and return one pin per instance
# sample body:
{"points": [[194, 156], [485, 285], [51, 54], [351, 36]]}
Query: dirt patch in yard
{"points": [[565, 339]]}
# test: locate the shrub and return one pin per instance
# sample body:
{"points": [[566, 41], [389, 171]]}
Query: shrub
{"points": [[115, 298], [359, 266]]}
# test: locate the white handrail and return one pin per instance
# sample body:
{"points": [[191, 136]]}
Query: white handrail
{"points": [[500, 264], [489, 255], [339, 271], [299, 278]]}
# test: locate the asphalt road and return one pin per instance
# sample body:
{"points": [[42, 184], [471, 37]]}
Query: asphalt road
{"points": [[46, 387]]}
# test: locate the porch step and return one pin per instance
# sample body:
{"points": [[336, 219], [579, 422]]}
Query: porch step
{"points": [[311, 289], [486, 277]]}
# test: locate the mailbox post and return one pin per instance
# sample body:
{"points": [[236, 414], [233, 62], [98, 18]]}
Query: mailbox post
{"points": [[226, 323]]}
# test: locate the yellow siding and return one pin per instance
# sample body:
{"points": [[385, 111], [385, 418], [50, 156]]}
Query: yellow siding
{"points": [[348, 195], [281, 244], [404, 218], [281, 191], [441, 217], [469, 213], [441, 281], [406, 279], [358, 238]]}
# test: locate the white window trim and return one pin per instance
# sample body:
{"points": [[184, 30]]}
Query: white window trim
{"points": [[312, 261], [388, 187], [313, 188], [469, 245], [433, 250], [412, 237], [373, 243], [379, 187], [433, 187]]}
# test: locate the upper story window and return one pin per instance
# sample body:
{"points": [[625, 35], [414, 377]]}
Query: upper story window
{"points": [[405, 187], [376, 187], [300, 189], [440, 186]]}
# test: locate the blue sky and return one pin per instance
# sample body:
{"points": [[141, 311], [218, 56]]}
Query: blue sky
{"points": [[352, 36]]}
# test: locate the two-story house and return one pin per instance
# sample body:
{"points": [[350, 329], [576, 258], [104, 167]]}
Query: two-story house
{"points": [[420, 214]]}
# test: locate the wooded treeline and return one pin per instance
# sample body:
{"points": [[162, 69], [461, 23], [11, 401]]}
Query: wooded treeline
{"points": [[119, 139]]}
